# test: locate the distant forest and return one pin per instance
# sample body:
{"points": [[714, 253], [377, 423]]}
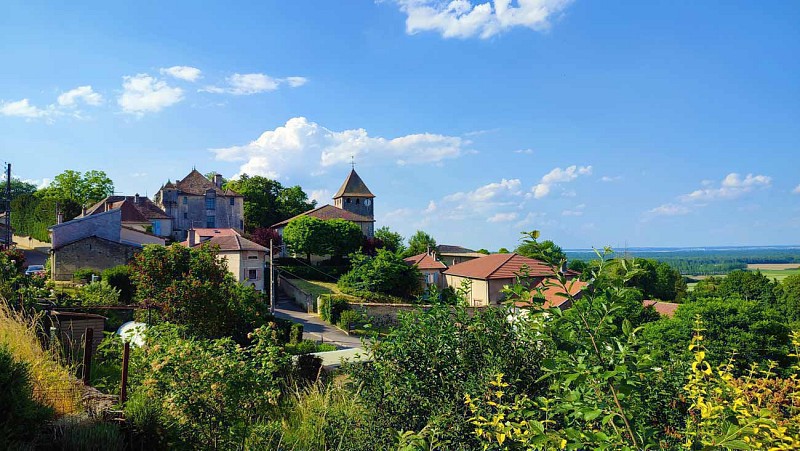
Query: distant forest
{"points": [[707, 261]]}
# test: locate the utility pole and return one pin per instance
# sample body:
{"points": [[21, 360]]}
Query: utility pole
{"points": [[271, 280], [9, 234]]}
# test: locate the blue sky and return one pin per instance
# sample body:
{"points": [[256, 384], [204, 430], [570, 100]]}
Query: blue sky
{"points": [[598, 123]]}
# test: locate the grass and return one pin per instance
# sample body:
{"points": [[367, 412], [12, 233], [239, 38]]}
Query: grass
{"points": [[777, 271], [779, 274], [53, 384], [317, 288]]}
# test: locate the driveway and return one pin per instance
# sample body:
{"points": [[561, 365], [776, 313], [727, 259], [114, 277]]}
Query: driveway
{"points": [[314, 328]]}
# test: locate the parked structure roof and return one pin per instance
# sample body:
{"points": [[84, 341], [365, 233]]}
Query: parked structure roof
{"points": [[425, 261], [500, 266], [326, 212], [353, 186]]}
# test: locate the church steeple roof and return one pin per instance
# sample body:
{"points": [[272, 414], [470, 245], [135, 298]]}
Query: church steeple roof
{"points": [[353, 186]]}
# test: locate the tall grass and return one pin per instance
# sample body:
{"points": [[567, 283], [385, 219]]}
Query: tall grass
{"points": [[53, 384]]}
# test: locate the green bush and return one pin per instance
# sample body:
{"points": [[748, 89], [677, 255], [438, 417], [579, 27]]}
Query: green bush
{"points": [[99, 294], [107, 364], [308, 347], [385, 273], [331, 308], [144, 415], [84, 275], [119, 277], [20, 415], [349, 319], [296, 333], [89, 436]]}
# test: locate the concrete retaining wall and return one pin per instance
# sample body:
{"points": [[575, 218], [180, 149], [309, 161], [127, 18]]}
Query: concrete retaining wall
{"points": [[300, 297]]}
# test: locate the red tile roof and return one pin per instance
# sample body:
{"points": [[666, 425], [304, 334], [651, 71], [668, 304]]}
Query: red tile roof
{"points": [[326, 212], [226, 239], [500, 266], [663, 308], [353, 186], [425, 261]]}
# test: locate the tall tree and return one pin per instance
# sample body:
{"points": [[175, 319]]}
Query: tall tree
{"points": [[392, 241], [546, 250], [267, 202], [306, 235], [83, 189], [19, 187], [418, 243]]}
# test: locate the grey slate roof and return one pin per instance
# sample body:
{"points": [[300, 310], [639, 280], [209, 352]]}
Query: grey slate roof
{"points": [[353, 186]]}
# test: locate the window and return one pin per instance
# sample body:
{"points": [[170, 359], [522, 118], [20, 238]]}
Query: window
{"points": [[348, 200], [241, 224], [252, 257], [185, 215], [185, 200], [232, 201], [358, 201], [252, 274], [210, 222], [211, 202]]}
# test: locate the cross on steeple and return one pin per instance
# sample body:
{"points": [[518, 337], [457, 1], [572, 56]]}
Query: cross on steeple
{"points": [[353, 162]]}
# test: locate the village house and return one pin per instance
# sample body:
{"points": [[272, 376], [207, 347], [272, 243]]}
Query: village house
{"points": [[245, 259], [138, 213], [430, 268], [488, 275], [352, 202], [100, 240], [195, 201]]}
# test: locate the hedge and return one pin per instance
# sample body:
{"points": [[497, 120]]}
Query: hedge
{"points": [[331, 307]]}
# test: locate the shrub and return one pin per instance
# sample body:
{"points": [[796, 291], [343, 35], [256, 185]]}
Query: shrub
{"points": [[348, 319], [99, 294], [385, 273], [20, 415], [88, 436], [107, 364], [307, 347], [119, 277], [296, 333], [85, 274], [331, 308], [144, 414]]}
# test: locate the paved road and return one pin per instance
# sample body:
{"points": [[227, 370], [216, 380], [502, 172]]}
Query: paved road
{"points": [[314, 328]]}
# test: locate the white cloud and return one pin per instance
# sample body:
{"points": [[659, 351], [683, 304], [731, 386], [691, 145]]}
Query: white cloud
{"points": [[557, 176], [577, 211], [670, 210], [463, 19], [83, 94], [524, 151], [139, 174], [431, 207], [186, 73], [503, 217], [488, 192], [247, 84], [143, 93], [609, 179], [293, 146], [732, 187], [23, 108], [322, 196], [796, 190]]}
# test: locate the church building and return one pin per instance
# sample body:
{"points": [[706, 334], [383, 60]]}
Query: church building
{"points": [[353, 202]]}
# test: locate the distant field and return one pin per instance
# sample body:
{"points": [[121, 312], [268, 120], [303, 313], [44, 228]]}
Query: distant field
{"points": [[772, 266]]}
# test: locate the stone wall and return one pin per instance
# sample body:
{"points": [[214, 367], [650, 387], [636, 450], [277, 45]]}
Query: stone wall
{"points": [[300, 297], [91, 252]]}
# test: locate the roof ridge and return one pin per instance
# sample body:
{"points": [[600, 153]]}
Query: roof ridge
{"points": [[503, 262]]}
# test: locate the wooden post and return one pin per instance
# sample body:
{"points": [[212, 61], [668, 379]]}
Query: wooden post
{"points": [[123, 392], [87, 355]]}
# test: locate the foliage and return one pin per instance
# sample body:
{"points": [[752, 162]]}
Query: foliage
{"points": [[348, 319], [20, 415], [263, 236], [757, 411], [503, 250], [385, 273], [88, 436], [83, 189], [747, 285], [331, 308], [54, 385], [751, 331], [420, 371], [788, 294], [391, 241], [99, 294], [33, 214], [267, 202], [483, 251], [20, 187], [193, 287], [343, 237], [308, 347], [85, 274], [107, 364], [119, 277], [148, 424], [306, 235], [210, 390], [418, 243], [655, 280], [546, 251]]}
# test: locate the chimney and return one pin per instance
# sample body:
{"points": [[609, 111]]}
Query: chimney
{"points": [[192, 239], [218, 180], [136, 198], [83, 211], [59, 217]]}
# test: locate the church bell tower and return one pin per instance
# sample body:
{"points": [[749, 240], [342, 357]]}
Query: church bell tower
{"points": [[355, 197]]}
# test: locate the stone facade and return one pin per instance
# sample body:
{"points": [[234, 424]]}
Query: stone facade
{"points": [[89, 252]]}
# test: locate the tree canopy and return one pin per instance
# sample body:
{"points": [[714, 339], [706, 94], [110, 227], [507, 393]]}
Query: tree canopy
{"points": [[82, 188], [391, 241], [267, 201], [418, 243], [546, 251], [313, 236]]}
